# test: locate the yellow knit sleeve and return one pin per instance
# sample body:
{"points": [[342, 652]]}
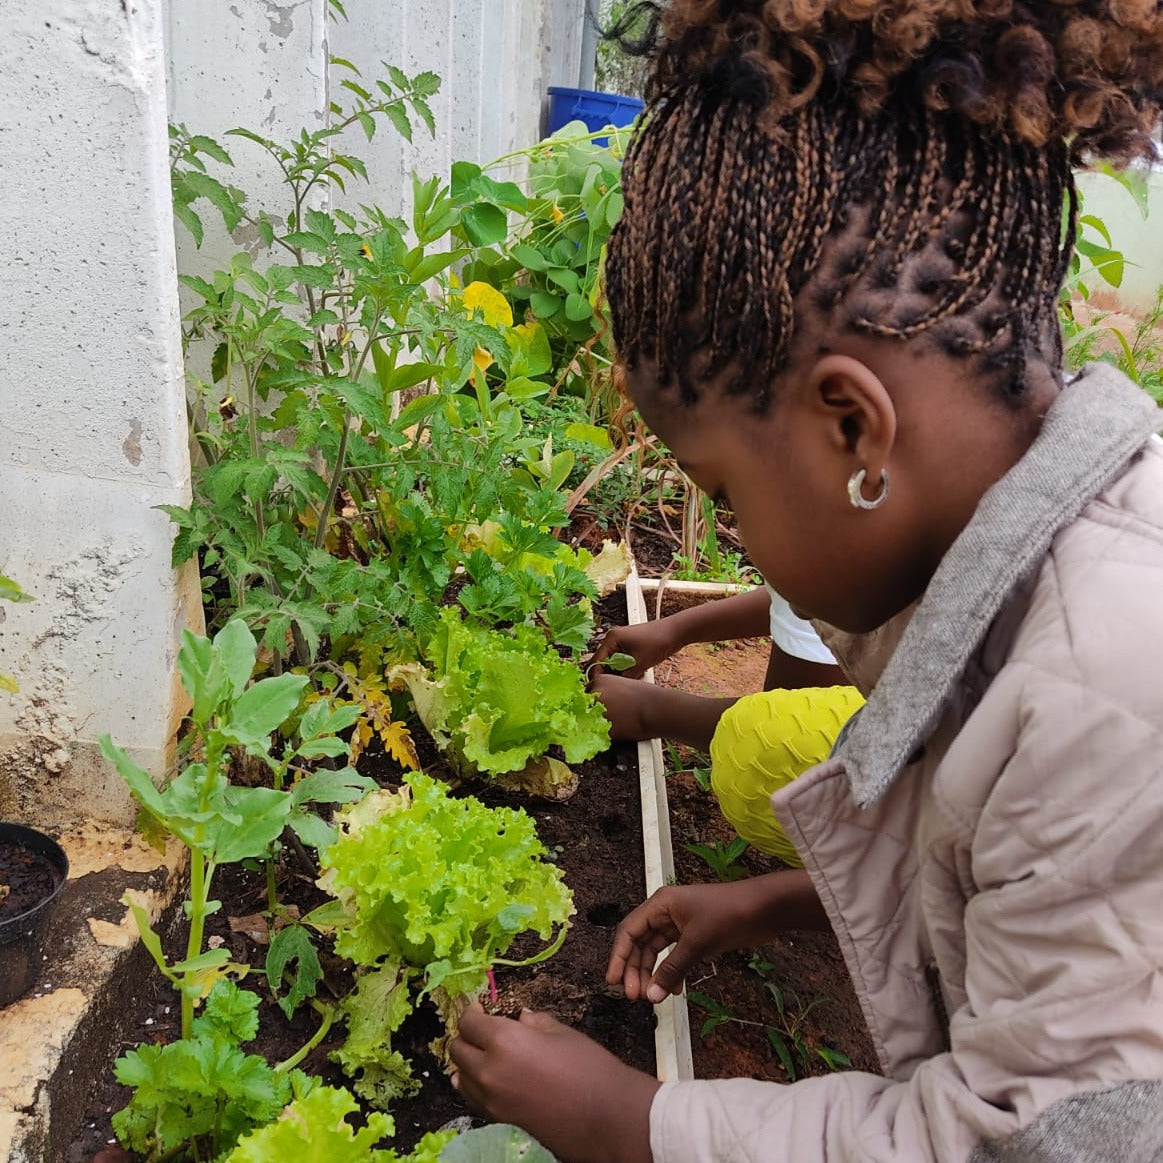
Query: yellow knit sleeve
{"points": [[762, 743]]}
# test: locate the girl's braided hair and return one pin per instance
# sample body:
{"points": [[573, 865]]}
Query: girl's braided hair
{"points": [[903, 166]]}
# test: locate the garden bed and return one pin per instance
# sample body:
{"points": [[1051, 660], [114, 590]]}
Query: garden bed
{"points": [[806, 970], [596, 839]]}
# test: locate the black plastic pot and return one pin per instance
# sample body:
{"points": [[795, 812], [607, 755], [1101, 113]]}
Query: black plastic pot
{"points": [[33, 870]]}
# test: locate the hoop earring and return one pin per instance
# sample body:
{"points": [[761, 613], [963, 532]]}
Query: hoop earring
{"points": [[856, 494]]}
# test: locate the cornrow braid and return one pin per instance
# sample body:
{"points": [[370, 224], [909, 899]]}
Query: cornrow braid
{"points": [[724, 226], [905, 165]]}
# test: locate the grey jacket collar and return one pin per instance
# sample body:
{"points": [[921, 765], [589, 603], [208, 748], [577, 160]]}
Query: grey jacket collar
{"points": [[1093, 429]]}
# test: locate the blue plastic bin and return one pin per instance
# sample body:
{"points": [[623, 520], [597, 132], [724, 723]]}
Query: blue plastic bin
{"points": [[597, 110]]}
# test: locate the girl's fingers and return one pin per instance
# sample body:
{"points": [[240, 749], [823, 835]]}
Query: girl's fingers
{"points": [[635, 971], [476, 1028]]}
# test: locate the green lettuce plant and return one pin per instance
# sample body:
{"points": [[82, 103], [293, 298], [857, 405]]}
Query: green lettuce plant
{"points": [[431, 891], [497, 701]]}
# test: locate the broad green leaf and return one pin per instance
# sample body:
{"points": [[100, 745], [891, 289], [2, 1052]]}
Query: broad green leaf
{"points": [[262, 708], [205, 683], [545, 304], [464, 179], [11, 591], [499, 1143], [138, 779], [590, 433], [523, 388], [577, 308], [530, 257], [263, 815], [211, 959], [565, 279], [314, 720], [313, 831], [1097, 225], [330, 747], [484, 224], [619, 661], [332, 787], [418, 410], [421, 267], [236, 649]]}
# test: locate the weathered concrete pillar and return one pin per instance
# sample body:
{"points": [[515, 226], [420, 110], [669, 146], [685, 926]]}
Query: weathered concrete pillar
{"points": [[252, 64], [93, 429], [495, 59]]}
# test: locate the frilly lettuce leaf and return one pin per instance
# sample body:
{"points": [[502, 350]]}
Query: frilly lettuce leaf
{"points": [[433, 890], [498, 700], [425, 878]]}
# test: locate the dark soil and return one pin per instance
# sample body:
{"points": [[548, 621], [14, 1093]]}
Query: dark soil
{"points": [[26, 878], [595, 838]]}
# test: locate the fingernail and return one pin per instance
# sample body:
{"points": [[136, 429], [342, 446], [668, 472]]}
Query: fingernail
{"points": [[656, 994]]}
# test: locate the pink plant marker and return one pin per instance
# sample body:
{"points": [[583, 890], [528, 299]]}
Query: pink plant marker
{"points": [[493, 995]]}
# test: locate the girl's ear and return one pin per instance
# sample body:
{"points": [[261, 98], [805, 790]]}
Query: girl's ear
{"points": [[859, 417]]}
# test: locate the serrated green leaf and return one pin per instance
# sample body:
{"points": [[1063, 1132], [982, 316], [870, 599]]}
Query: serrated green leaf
{"points": [[211, 148], [398, 116], [293, 946], [190, 220]]}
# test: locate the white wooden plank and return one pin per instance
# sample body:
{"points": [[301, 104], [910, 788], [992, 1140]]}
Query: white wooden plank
{"points": [[672, 1035]]}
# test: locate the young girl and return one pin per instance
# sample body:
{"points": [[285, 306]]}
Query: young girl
{"points": [[758, 742], [835, 289]]}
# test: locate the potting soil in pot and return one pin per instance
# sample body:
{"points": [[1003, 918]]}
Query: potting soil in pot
{"points": [[32, 869], [26, 878]]}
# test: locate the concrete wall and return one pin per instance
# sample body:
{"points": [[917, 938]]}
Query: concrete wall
{"points": [[495, 58], [1140, 241], [93, 435], [265, 66]]}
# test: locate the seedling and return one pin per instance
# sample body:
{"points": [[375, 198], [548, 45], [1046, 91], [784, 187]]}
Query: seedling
{"points": [[785, 1035], [721, 857]]}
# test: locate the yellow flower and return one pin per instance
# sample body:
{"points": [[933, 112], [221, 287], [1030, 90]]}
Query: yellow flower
{"points": [[482, 359], [558, 216], [490, 303]]}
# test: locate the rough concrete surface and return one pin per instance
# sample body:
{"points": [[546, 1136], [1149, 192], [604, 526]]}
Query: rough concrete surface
{"points": [[59, 1039]]}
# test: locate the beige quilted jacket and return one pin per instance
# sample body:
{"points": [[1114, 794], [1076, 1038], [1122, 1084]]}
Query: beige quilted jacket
{"points": [[988, 839]]}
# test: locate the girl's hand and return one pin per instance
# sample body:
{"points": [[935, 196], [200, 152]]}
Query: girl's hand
{"points": [[630, 705], [575, 1098], [648, 643], [703, 920]]}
